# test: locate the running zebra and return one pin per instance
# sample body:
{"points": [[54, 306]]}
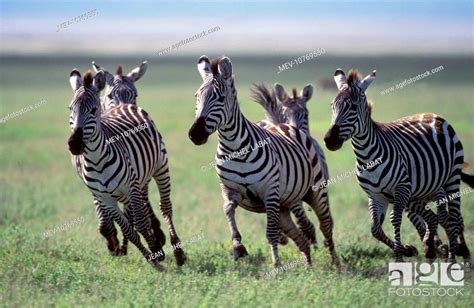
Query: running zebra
{"points": [[294, 111], [270, 179], [120, 89], [116, 153], [291, 111], [422, 160]]}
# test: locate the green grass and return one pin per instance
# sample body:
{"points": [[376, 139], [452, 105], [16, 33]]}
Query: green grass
{"points": [[39, 190]]}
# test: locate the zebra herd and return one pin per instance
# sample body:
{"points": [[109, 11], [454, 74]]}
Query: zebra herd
{"points": [[421, 161]]}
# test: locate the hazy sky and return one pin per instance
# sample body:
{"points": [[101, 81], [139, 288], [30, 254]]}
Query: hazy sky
{"points": [[143, 26]]}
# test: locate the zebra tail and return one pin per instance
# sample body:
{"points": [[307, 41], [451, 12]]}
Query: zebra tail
{"points": [[267, 99], [467, 178]]}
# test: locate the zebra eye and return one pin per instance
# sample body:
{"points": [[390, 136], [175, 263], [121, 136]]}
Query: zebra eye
{"points": [[221, 98], [93, 110]]}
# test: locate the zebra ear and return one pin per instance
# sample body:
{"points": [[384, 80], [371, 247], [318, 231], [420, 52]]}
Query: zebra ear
{"points": [[75, 79], [99, 80], [225, 68], [138, 72], [204, 66], [280, 93], [340, 79], [364, 84], [307, 92], [109, 78]]}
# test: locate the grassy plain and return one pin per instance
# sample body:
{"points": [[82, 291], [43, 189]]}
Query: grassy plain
{"points": [[39, 190]]}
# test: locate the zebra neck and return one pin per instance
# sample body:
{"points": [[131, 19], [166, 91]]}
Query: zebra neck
{"points": [[235, 134], [366, 142], [97, 152]]}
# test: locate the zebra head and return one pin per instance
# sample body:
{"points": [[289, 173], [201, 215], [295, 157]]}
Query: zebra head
{"points": [[121, 88], [294, 108], [349, 108], [85, 109], [212, 98]]}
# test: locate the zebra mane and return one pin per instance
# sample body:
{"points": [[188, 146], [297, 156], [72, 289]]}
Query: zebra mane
{"points": [[295, 93], [267, 99], [120, 70], [87, 79], [370, 105], [215, 66], [353, 77]]}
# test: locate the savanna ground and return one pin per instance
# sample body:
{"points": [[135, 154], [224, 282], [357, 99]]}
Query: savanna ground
{"points": [[39, 190]]}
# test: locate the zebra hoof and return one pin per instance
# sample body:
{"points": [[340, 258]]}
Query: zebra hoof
{"points": [[437, 241], [410, 251], [123, 251], [157, 266], [430, 252], [442, 251], [117, 252], [462, 251], [180, 257], [315, 246], [239, 251]]}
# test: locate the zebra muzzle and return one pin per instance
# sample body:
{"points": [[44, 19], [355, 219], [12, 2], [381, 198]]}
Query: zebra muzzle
{"points": [[75, 142], [197, 132], [332, 140]]}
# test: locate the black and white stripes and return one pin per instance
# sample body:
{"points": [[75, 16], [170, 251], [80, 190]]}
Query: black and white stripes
{"points": [[119, 171], [269, 180], [422, 161]]}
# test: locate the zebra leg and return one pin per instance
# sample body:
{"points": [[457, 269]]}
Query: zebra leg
{"points": [[462, 250], [377, 210], [304, 224], [141, 220], [429, 242], [402, 197], [127, 229], [272, 209], [128, 215], [155, 223], [107, 229], [319, 202], [417, 222], [231, 201], [287, 225], [163, 181], [452, 220]]}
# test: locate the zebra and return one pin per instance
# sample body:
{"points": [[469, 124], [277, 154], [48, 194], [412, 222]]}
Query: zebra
{"points": [[120, 89], [271, 179], [120, 171], [289, 111], [422, 160], [294, 111]]}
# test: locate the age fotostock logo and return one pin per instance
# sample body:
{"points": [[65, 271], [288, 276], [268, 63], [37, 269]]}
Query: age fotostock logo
{"points": [[425, 279]]}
